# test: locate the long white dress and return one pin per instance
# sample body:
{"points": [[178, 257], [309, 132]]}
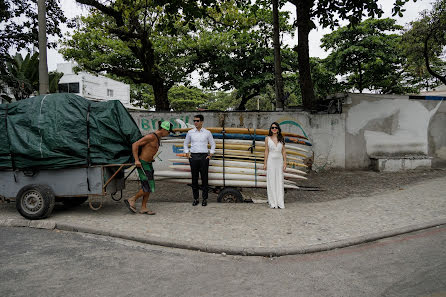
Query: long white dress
{"points": [[274, 175]]}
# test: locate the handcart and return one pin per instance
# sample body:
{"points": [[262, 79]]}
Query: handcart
{"points": [[36, 191]]}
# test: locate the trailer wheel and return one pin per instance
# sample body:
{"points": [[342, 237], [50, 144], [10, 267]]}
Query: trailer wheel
{"points": [[230, 195], [74, 201], [35, 201]]}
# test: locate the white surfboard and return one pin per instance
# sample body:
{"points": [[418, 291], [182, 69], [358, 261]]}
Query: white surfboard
{"points": [[237, 170], [258, 155], [246, 148], [259, 144], [211, 175], [231, 183], [259, 165]]}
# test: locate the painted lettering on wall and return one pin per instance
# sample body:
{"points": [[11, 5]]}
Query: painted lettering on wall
{"points": [[152, 124]]}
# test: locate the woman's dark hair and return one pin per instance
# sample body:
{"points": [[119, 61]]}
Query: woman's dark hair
{"points": [[279, 132]]}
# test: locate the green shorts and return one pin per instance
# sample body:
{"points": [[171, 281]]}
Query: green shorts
{"points": [[146, 175]]}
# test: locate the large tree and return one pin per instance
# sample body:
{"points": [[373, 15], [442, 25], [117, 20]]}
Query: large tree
{"points": [[241, 55], [328, 13], [425, 42], [369, 55], [146, 42]]}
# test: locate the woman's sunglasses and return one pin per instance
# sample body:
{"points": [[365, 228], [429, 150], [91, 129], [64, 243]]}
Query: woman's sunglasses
{"points": [[273, 128]]}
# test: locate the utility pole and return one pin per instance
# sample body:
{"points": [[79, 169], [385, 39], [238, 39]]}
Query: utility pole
{"points": [[43, 64], [277, 61]]}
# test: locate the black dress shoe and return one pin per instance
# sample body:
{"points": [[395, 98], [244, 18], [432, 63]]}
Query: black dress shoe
{"points": [[195, 203], [204, 203]]}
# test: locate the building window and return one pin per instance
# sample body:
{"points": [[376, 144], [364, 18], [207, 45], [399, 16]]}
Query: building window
{"points": [[69, 88], [109, 93], [63, 88]]}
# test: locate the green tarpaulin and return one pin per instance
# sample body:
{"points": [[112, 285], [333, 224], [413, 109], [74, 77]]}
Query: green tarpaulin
{"points": [[52, 131]]}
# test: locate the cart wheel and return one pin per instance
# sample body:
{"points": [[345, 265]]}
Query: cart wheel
{"points": [[230, 195], [74, 201], [35, 201]]}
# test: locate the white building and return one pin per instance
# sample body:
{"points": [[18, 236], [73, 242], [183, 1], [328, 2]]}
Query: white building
{"points": [[92, 87]]}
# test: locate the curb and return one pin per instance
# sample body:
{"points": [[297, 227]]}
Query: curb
{"points": [[229, 250]]}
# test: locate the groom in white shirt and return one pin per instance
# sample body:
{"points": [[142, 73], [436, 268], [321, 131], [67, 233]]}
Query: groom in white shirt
{"points": [[199, 157]]}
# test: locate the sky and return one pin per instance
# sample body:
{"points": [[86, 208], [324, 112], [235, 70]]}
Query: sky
{"points": [[72, 9]]}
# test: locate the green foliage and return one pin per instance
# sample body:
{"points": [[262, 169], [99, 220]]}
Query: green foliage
{"points": [[18, 20], [328, 13], [423, 44], [146, 42], [369, 55], [186, 98], [54, 78], [21, 76], [141, 95], [240, 52], [181, 98], [325, 82], [221, 101]]}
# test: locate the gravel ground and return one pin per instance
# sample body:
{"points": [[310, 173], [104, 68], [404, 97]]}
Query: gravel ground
{"points": [[331, 185]]}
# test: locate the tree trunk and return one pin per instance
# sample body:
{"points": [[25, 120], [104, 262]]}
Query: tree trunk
{"points": [[242, 105], [426, 60], [303, 9], [277, 61], [161, 99], [360, 84], [43, 65]]}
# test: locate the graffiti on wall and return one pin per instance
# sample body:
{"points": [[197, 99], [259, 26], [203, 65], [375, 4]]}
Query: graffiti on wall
{"points": [[152, 124], [406, 126], [289, 121]]}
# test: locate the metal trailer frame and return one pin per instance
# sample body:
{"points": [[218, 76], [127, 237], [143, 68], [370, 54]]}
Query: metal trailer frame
{"points": [[35, 191]]}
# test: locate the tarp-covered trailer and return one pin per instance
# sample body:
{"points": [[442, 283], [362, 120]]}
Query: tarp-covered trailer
{"points": [[62, 146]]}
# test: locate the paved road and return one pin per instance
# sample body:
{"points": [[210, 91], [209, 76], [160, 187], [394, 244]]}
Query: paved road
{"points": [[37, 262], [254, 229]]}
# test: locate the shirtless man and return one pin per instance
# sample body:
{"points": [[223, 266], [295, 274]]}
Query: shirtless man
{"points": [[147, 148]]}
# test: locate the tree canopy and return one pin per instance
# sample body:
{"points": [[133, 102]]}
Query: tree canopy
{"points": [[147, 42], [21, 77], [425, 43], [18, 20], [328, 13], [242, 57], [369, 55]]}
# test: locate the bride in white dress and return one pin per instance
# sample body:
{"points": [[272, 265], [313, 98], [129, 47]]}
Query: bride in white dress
{"points": [[275, 165]]}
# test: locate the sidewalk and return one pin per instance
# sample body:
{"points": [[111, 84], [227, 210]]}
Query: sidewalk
{"points": [[254, 229]]}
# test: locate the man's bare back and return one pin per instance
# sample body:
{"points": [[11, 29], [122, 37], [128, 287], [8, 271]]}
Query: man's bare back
{"points": [[147, 147]]}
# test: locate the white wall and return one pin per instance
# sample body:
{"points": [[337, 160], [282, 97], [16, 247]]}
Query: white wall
{"points": [[370, 125], [325, 132]]}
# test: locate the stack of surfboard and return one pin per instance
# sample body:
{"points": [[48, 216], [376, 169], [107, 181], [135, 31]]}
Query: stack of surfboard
{"points": [[238, 159]]}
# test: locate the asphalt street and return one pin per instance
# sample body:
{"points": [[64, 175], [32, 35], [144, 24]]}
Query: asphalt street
{"points": [[36, 262]]}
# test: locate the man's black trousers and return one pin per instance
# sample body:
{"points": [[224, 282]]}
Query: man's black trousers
{"points": [[199, 164]]}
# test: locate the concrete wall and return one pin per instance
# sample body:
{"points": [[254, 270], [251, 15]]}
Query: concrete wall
{"points": [[386, 125], [370, 125], [325, 132]]}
